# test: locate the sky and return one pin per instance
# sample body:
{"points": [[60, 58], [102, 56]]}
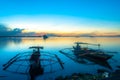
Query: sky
{"points": [[62, 16]]}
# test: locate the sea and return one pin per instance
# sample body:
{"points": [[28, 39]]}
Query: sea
{"points": [[11, 46]]}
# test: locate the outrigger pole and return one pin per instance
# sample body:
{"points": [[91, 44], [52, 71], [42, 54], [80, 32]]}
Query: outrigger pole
{"points": [[88, 44], [10, 62], [60, 62]]}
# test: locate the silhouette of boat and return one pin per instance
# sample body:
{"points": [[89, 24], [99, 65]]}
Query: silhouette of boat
{"points": [[34, 63], [77, 53], [45, 37]]}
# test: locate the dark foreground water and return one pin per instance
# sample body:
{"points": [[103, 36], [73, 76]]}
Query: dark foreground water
{"points": [[9, 47]]}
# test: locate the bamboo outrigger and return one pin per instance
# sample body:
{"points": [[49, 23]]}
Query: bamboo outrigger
{"points": [[33, 61]]}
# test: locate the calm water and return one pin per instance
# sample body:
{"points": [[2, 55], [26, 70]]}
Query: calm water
{"points": [[9, 47]]}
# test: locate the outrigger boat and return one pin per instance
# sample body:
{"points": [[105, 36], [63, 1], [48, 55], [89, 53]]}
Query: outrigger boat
{"points": [[34, 63], [78, 53]]}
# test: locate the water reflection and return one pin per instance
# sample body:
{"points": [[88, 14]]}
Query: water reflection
{"points": [[58, 41], [12, 46], [4, 42]]}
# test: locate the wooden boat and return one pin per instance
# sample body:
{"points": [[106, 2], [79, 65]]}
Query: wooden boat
{"points": [[36, 61], [92, 53], [97, 55], [78, 53]]}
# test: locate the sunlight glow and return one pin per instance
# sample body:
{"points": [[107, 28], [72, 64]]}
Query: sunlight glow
{"points": [[60, 24]]}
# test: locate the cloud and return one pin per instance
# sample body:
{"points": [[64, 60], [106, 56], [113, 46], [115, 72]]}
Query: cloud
{"points": [[3, 28], [5, 31]]}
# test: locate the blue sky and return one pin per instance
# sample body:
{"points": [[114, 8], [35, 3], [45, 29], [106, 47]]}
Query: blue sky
{"points": [[90, 12]]}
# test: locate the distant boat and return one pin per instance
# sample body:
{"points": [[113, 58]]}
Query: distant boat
{"points": [[45, 37]]}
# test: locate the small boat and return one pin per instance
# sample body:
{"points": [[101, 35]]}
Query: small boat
{"points": [[34, 63], [96, 55], [45, 37], [78, 53], [92, 53]]}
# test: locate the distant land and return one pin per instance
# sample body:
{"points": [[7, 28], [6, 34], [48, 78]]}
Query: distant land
{"points": [[64, 36], [17, 32]]}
